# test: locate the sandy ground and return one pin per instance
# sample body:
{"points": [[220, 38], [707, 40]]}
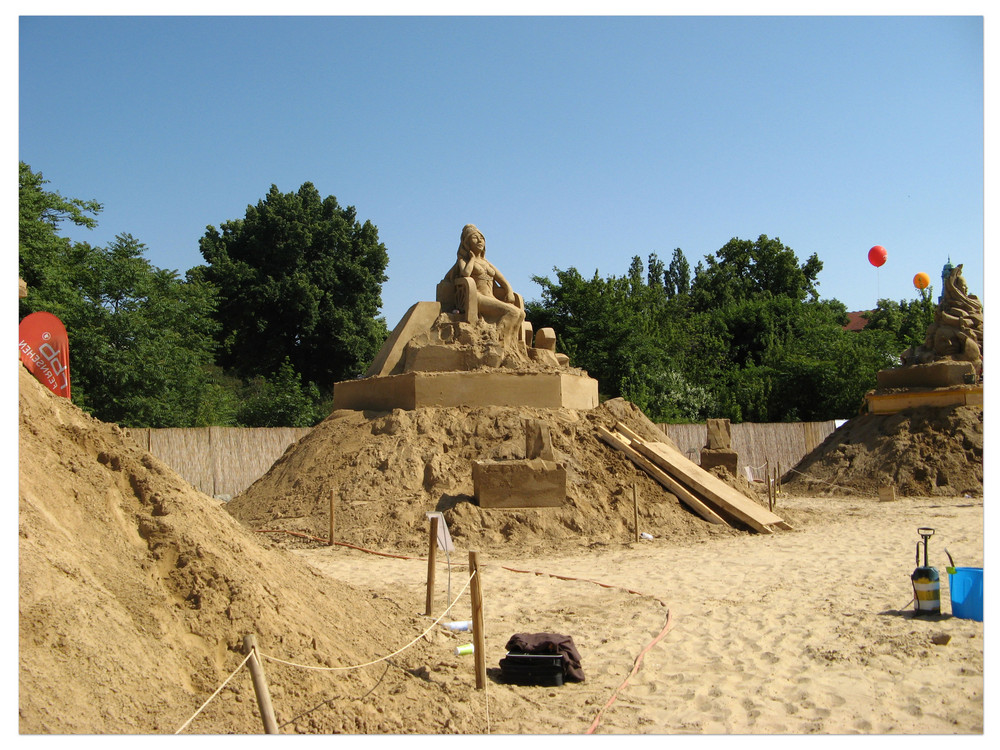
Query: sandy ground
{"points": [[808, 631], [135, 592]]}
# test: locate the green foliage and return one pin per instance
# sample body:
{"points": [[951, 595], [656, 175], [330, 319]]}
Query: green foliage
{"points": [[297, 285], [677, 279], [907, 320], [616, 329], [282, 401], [141, 339], [747, 338], [46, 261], [299, 280], [742, 269]]}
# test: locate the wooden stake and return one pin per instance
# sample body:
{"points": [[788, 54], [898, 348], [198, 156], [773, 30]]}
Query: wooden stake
{"points": [[333, 500], [478, 635], [260, 685], [431, 559], [635, 512]]}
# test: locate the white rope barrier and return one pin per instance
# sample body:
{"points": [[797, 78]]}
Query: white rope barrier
{"points": [[331, 669], [212, 696], [383, 658]]}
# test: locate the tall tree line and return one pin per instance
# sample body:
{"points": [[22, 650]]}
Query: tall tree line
{"points": [[287, 303]]}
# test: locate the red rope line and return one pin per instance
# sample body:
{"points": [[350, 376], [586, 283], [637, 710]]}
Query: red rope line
{"points": [[635, 668], [586, 580]]}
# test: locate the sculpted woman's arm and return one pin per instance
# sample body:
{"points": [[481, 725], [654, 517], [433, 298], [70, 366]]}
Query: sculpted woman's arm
{"points": [[465, 264], [505, 287]]}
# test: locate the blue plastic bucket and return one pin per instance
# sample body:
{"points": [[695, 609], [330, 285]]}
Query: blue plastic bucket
{"points": [[966, 585]]}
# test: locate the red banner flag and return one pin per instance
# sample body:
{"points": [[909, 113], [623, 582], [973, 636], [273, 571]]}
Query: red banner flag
{"points": [[45, 350]]}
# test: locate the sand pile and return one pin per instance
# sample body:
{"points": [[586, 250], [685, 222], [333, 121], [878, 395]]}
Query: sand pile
{"points": [[136, 591], [386, 470], [924, 451]]}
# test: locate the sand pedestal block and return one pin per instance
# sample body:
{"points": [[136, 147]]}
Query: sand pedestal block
{"points": [[933, 375], [414, 390], [719, 457], [894, 401], [529, 483]]}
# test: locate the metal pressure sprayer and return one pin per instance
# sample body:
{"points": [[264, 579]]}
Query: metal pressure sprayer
{"points": [[926, 582]]}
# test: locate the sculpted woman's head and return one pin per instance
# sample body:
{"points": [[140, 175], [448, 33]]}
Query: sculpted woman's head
{"points": [[472, 241]]}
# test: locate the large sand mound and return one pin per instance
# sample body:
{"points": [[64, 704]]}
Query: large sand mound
{"points": [[386, 470], [136, 591], [925, 451]]}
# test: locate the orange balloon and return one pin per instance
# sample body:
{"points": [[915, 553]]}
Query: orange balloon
{"points": [[921, 280]]}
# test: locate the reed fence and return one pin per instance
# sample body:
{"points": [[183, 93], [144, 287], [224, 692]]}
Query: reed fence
{"points": [[219, 461], [224, 461], [780, 443]]}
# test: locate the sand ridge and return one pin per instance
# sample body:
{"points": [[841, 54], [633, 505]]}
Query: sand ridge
{"points": [[387, 470], [924, 451], [135, 592]]}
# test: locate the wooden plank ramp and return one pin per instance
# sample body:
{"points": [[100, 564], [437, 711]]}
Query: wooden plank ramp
{"points": [[623, 444], [704, 485]]}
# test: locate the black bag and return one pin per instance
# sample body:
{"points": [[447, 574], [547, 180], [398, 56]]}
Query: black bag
{"points": [[541, 659], [532, 669]]}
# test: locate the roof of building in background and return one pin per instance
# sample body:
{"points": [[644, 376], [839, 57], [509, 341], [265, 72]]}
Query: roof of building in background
{"points": [[856, 320]]}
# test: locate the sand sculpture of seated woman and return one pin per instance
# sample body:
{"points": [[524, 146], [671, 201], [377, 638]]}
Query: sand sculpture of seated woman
{"points": [[478, 290]]}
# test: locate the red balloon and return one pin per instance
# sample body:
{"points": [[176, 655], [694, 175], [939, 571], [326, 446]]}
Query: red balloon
{"points": [[877, 256]]}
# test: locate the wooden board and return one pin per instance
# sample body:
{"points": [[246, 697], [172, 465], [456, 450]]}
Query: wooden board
{"points": [[703, 484], [622, 444]]}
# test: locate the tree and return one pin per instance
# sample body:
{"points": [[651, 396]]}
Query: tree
{"points": [[677, 278], [743, 269], [907, 320], [748, 339], [141, 339], [145, 341], [283, 401], [298, 279], [655, 271], [42, 252], [618, 329]]}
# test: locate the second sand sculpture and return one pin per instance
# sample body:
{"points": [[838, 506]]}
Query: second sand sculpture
{"points": [[952, 352]]}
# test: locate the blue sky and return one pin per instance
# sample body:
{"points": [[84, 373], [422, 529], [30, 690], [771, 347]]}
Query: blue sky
{"points": [[568, 141]]}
